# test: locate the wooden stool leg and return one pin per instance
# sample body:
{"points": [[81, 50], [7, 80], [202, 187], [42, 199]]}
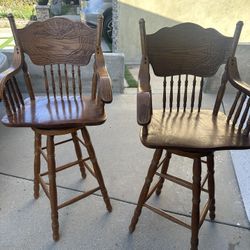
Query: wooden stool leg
{"points": [[144, 192], [196, 203], [164, 170], [210, 166], [37, 163], [52, 186], [78, 154], [96, 167]]}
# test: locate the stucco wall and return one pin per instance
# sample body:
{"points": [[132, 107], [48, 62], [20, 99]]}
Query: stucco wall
{"points": [[219, 14]]}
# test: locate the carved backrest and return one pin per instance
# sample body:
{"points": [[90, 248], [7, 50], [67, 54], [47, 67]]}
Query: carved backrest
{"points": [[62, 47], [187, 49], [58, 41], [183, 53]]}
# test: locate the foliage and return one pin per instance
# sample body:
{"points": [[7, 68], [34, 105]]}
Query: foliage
{"points": [[132, 83], [65, 9], [20, 9]]}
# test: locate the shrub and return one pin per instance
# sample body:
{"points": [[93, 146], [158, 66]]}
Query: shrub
{"points": [[132, 83], [20, 9]]}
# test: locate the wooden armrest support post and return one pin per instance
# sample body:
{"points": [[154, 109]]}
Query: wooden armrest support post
{"points": [[234, 76], [11, 71]]}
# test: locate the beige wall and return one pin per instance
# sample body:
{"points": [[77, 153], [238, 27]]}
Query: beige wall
{"points": [[219, 14]]}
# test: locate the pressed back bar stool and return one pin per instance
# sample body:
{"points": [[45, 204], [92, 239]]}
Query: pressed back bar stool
{"points": [[61, 48], [177, 54]]}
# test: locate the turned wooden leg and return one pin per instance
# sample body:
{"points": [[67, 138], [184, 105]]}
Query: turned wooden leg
{"points": [[196, 203], [96, 167], [37, 163], [78, 154], [210, 167], [52, 186], [164, 170], [144, 192]]}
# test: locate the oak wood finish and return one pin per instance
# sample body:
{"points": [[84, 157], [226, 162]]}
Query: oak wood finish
{"points": [[37, 164], [195, 222], [52, 186], [183, 55], [78, 154], [61, 48], [143, 196], [211, 188], [96, 167], [163, 172]]}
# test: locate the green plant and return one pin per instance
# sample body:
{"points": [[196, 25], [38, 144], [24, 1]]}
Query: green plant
{"points": [[20, 9], [65, 9], [132, 83]]}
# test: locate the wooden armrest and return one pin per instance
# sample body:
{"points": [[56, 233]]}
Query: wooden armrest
{"points": [[144, 107], [234, 76], [104, 88], [11, 71], [144, 77], [144, 99]]}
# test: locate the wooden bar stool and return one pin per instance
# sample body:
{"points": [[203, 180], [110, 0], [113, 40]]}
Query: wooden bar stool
{"points": [[183, 55], [61, 48]]}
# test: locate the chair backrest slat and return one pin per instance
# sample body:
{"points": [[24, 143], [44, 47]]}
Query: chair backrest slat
{"points": [[7, 104], [164, 93], [79, 80], [66, 80], [11, 100], [178, 96], [247, 128], [73, 81], [185, 94], [239, 108], [63, 79], [46, 82], [60, 80], [15, 96], [171, 93], [53, 80], [179, 93], [12, 97], [200, 94], [230, 114], [193, 93], [20, 97], [244, 115]]}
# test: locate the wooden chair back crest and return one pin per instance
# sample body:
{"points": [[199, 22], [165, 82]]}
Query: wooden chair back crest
{"points": [[57, 41], [187, 48]]}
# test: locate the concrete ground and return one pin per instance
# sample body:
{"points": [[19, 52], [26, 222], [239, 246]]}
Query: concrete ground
{"points": [[25, 223]]}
